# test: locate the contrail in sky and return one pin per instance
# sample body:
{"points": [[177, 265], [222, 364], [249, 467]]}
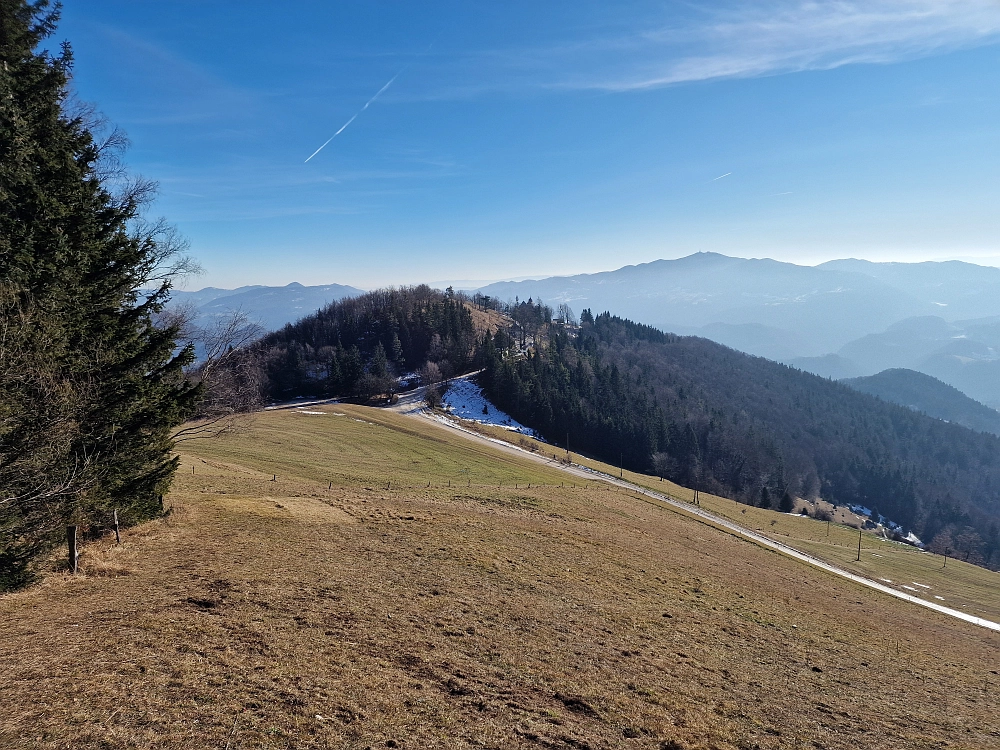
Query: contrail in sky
{"points": [[712, 180], [344, 126]]}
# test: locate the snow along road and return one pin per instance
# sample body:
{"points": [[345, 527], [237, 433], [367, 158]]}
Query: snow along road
{"points": [[413, 406]]}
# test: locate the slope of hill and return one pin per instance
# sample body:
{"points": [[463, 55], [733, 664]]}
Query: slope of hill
{"points": [[271, 307], [715, 419], [920, 392], [280, 614], [875, 316]]}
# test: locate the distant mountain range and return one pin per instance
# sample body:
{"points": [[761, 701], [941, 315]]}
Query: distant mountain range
{"points": [[764, 307], [271, 307], [923, 393], [844, 318]]}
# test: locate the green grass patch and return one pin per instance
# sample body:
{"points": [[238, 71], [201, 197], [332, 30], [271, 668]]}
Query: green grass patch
{"points": [[353, 446]]}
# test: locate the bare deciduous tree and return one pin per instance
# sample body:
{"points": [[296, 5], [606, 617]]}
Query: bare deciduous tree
{"points": [[664, 464], [433, 380], [229, 369], [565, 315]]}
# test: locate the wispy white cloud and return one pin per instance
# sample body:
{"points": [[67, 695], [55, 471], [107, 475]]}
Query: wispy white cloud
{"points": [[782, 36], [682, 43]]}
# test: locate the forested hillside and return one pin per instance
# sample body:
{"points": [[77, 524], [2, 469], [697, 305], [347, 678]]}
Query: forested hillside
{"points": [[713, 418], [921, 392], [357, 346]]}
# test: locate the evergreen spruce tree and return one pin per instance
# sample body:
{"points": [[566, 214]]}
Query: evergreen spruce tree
{"points": [[787, 504], [398, 356], [75, 256], [379, 365], [765, 498]]}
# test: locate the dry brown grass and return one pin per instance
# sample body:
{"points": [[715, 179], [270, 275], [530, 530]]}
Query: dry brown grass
{"points": [[958, 585], [487, 320], [282, 614]]}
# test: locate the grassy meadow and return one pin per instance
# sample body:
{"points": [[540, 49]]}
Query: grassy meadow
{"points": [[309, 590], [951, 583]]}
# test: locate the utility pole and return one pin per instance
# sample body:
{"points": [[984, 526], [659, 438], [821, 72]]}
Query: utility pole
{"points": [[567, 447], [859, 544], [621, 465]]}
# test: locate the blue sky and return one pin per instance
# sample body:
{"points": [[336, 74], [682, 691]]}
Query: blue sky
{"points": [[524, 139]]}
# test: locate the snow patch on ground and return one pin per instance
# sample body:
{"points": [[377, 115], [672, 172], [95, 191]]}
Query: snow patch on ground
{"points": [[908, 588], [465, 400], [921, 585], [304, 411]]}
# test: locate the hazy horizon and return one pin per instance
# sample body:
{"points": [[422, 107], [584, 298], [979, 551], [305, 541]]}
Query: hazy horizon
{"points": [[383, 144], [195, 282]]}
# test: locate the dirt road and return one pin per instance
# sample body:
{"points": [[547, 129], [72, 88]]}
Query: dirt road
{"points": [[412, 404]]}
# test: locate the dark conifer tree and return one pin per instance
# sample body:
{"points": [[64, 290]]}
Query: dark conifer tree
{"points": [[75, 247], [765, 498], [398, 355], [379, 366]]}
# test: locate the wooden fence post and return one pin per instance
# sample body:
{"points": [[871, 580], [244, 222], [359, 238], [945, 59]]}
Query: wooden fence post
{"points": [[118, 537], [74, 555]]}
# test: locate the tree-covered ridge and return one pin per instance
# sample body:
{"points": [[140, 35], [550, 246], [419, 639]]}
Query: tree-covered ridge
{"points": [[356, 346], [718, 420]]}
